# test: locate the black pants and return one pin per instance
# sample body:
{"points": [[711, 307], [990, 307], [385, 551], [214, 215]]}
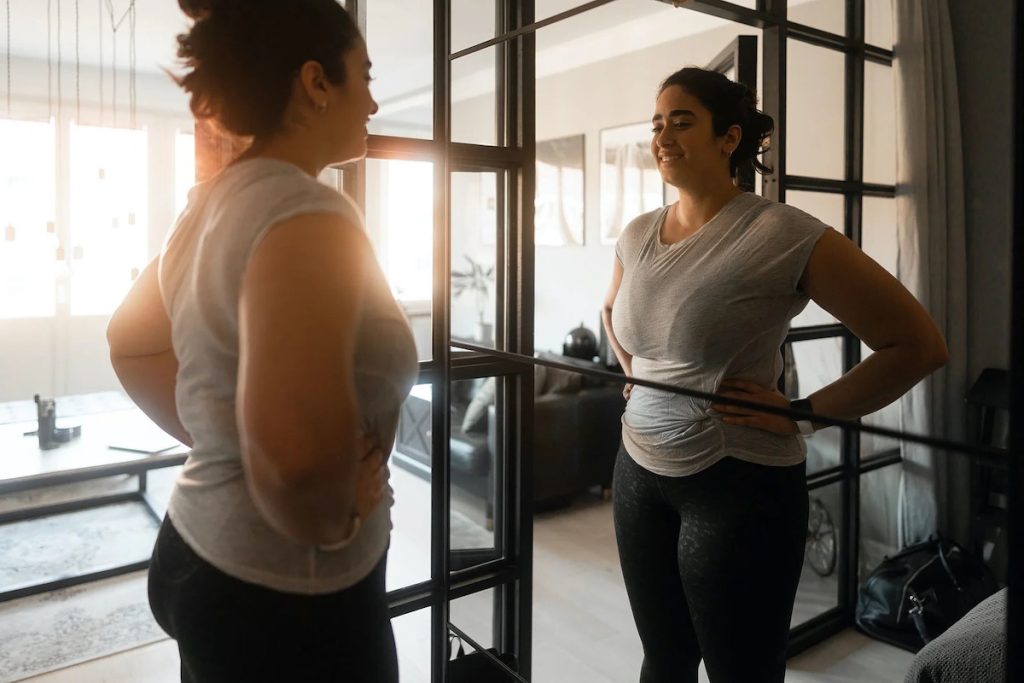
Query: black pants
{"points": [[229, 630], [711, 564]]}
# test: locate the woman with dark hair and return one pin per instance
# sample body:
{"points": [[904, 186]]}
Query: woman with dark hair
{"points": [[710, 501], [266, 338]]}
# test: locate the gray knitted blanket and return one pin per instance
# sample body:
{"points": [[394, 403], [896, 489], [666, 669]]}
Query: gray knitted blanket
{"points": [[973, 649]]}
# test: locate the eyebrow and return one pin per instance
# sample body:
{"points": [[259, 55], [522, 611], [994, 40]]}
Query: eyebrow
{"points": [[675, 112]]}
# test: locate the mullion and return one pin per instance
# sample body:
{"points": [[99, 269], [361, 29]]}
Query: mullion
{"points": [[440, 472], [517, 419]]}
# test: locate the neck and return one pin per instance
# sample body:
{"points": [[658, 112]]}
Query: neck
{"points": [[698, 205], [290, 148]]}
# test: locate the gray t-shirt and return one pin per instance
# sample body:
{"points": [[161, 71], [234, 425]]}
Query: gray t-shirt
{"points": [[712, 306], [201, 271]]}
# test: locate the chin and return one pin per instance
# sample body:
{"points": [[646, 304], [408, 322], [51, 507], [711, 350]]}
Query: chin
{"points": [[353, 152]]}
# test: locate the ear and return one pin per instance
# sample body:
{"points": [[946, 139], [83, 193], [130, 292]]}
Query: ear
{"points": [[733, 136], [313, 82]]}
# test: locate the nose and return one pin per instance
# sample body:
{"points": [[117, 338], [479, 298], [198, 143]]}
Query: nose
{"points": [[659, 138]]}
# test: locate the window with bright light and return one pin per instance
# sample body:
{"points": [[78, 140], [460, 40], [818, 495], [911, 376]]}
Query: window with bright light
{"points": [[400, 219], [28, 243], [184, 168], [109, 215]]}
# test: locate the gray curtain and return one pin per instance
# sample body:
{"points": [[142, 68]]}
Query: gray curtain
{"points": [[932, 253]]}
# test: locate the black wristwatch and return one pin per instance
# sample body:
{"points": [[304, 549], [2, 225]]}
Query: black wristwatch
{"points": [[805, 427]]}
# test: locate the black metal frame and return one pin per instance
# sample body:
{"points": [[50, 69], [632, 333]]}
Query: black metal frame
{"points": [[512, 159], [514, 155]]}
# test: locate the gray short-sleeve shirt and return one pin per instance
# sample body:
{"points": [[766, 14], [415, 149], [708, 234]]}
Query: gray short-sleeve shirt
{"points": [[201, 272], [712, 306]]}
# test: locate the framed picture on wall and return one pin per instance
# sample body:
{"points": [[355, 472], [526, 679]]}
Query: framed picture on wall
{"points": [[558, 202], [630, 181]]}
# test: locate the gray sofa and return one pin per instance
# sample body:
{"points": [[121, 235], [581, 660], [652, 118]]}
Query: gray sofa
{"points": [[577, 430]]}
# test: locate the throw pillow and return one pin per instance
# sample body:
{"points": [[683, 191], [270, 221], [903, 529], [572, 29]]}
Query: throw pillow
{"points": [[475, 419]]}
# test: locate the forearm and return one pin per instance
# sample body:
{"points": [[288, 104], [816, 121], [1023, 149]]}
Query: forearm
{"points": [[150, 381], [625, 358], [880, 379]]}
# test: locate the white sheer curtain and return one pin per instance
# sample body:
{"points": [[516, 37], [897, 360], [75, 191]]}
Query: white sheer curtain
{"points": [[932, 253]]}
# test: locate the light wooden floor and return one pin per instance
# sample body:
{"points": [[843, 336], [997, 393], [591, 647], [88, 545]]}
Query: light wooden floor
{"points": [[583, 629]]}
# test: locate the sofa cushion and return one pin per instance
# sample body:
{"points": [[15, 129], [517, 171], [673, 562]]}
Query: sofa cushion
{"points": [[475, 418]]}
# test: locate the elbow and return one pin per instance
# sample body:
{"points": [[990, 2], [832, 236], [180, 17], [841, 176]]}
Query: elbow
{"points": [[938, 356], [931, 353]]}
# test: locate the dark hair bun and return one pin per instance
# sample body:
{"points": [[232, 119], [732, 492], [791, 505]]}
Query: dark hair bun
{"points": [[195, 9], [241, 56]]}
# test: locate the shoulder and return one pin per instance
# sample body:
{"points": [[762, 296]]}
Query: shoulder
{"points": [[786, 216], [272, 192], [638, 228]]}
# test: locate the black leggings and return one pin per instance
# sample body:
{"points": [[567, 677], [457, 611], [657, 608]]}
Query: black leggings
{"points": [[711, 563], [230, 630]]}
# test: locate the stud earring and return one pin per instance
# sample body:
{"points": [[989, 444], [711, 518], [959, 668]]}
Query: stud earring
{"points": [[322, 107]]}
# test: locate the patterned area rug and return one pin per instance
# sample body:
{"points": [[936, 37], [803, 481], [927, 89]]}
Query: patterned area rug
{"points": [[53, 630], [58, 629]]}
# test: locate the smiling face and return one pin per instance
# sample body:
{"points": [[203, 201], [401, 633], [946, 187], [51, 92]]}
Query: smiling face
{"points": [[684, 144]]}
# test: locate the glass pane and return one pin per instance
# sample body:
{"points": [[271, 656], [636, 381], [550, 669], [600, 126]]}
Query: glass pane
{"points": [[28, 207], [409, 555], [878, 23], [817, 363], [474, 217], [474, 614], [828, 208], [400, 223], [109, 215], [879, 124], [878, 233], [597, 76], [473, 97], [475, 469], [816, 118], [879, 498], [184, 168], [888, 417], [828, 15], [400, 42], [412, 638], [558, 204], [473, 22], [818, 591]]}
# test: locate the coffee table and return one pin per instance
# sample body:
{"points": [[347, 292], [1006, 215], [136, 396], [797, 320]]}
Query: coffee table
{"points": [[117, 439]]}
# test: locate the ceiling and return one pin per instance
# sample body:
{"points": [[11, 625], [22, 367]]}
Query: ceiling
{"points": [[399, 38], [408, 29]]}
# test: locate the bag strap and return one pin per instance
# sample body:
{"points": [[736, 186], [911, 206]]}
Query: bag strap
{"points": [[949, 570], [461, 651]]}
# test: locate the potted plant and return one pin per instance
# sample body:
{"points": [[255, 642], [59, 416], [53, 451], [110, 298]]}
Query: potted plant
{"points": [[476, 279]]}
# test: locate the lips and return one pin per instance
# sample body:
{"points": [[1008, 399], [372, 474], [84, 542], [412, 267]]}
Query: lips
{"points": [[669, 158]]}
